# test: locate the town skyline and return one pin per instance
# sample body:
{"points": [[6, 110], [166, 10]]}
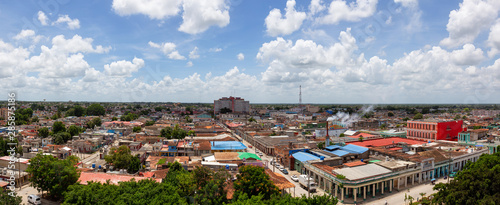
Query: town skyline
{"points": [[340, 52]]}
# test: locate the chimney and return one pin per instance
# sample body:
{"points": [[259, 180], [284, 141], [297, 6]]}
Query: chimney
{"points": [[327, 142]]}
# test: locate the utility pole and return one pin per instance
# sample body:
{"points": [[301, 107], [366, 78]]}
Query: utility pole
{"points": [[308, 186]]}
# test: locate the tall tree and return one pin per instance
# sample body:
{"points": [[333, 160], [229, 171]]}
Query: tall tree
{"points": [[73, 130], [57, 127], [122, 158], [252, 180], [7, 199], [478, 183], [51, 174], [96, 110], [43, 132]]}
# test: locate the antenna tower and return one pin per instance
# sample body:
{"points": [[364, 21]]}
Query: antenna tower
{"points": [[300, 96]]}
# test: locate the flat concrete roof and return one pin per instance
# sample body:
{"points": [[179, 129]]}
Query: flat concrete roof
{"points": [[362, 172]]}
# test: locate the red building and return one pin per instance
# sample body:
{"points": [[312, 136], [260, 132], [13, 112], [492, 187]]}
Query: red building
{"points": [[432, 130]]}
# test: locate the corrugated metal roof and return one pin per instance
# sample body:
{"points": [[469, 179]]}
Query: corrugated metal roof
{"points": [[303, 156], [332, 147], [339, 153], [354, 149]]}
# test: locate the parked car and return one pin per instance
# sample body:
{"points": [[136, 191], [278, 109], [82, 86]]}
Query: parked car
{"points": [[284, 171], [34, 199], [294, 178], [278, 166], [249, 146]]}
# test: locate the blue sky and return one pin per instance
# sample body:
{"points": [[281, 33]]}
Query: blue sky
{"points": [[341, 51]]}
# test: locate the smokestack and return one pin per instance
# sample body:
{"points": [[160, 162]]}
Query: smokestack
{"points": [[327, 142]]}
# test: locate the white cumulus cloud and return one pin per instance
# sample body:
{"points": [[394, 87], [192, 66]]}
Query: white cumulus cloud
{"points": [[339, 10], [277, 25], [71, 23], [42, 18], [154, 9], [240, 56], [198, 15], [469, 20], [123, 68], [194, 53], [168, 49], [494, 39]]}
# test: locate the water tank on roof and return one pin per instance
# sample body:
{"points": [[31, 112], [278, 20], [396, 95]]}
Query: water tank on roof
{"points": [[322, 158], [93, 166], [361, 160], [100, 167]]}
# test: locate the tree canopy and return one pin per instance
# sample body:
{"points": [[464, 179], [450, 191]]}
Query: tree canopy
{"points": [[478, 183], [43, 132], [175, 133], [95, 110], [252, 181], [51, 174], [132, 192], [121, 158], [6, 199], [201, 186], [57, 127]]}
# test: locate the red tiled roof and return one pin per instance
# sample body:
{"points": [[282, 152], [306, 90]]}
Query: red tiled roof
{"points": [[385, 142], [354, 164], [103, 177], [3, 183]]}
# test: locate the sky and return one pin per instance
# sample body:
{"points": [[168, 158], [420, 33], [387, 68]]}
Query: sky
{"points": [[338, 51]]}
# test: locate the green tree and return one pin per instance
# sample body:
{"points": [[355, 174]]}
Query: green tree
{"points": [[51, 174], [457, 117], [7, 199], [321, 145], [43, 132], [96, 110], [132, 193], [418, 116], [77, 111], [173, 133], [114, 119], [252, 181], [361, 138], [135, 164], [149, 123], [62, 137], [57, 127], [390, 114], [122, 158], [137, 129], [73, 130], [478, 183], [342, 135], [251, 119]]}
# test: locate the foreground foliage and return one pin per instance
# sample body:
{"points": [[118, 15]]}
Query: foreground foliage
{"points": [[201, 186], [478, 183], [51, 174]]}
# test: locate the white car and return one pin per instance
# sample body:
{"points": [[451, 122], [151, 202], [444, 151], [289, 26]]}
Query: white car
{"points": [[34, 199], [294, 178]]}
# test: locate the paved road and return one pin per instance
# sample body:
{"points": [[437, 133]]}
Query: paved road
{"points": [[26, 190], [267, 159]]}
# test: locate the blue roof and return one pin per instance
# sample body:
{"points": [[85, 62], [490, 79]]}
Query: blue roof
{"points": [[303, 156], [339, 153], [332, 147], [227, 145], [354, 149]]}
